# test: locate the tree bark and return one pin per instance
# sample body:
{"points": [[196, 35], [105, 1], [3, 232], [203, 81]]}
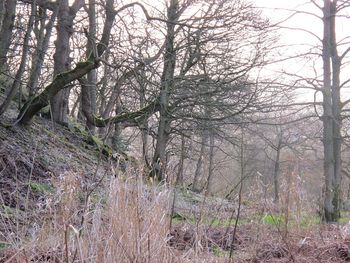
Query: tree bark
{"points": [[6, 30], [17, 81], [331, 115], [35, 104], [40, 51], [116, 138], [180, 171], [2, 12], [211, 162], [337, 119], [89, 92], [132, 119], [167, 82], [276, 172], [145, 128], [62, 60], [197, 173]]}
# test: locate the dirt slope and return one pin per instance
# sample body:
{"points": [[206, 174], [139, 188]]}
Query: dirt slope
{"points": [[31, 158]]}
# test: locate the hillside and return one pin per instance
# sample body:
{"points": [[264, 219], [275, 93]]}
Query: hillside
{"points": [[63, 200], [34, 157]]}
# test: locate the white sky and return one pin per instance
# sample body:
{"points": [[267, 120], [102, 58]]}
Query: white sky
{"points": [[276, 10]]}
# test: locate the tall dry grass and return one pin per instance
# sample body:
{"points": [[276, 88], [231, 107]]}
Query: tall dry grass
{"points": [[122, 221]]}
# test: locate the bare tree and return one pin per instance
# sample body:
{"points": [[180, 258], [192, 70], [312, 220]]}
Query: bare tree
{"points": [[17, 81], [8, 17], [331, 112], [202, 68], [43, 34], [328, 80]]}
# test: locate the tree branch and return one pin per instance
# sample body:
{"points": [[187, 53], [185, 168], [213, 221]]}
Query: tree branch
{"points": [[128, 119]]}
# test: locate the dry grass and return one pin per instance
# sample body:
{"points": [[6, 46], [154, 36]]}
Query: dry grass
{"points": [[124, 222], [95, 217]]}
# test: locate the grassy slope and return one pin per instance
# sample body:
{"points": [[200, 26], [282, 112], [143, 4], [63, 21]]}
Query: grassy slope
{"points": [[60, 201], [32, 159], [46, 171]]}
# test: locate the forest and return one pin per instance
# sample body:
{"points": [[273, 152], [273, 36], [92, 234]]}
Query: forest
{"points": [[174, 131]]}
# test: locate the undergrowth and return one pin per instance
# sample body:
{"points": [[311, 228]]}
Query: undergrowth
{"points": [[126, 223]]}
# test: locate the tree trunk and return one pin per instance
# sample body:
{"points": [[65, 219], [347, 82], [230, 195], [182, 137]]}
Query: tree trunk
{"points": [[116, 139], [6, 29], [167, 83], [62, 60], [40, 51], [2, 12], [337, 119], [89, 93], [211, 162], [331, 115], [276, 172], [17, 81], [180, 171], [145, 128], [197, 173]]}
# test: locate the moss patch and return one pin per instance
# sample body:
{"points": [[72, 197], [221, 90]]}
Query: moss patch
{"points": [[4, 245], [41, 188]]}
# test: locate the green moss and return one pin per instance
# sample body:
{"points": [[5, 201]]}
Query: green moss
{"points": [[104, 148], [89, 138], [41, 188], [4, 245]]}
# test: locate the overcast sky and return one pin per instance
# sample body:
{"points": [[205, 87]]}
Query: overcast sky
{"points": [[276, 10]]}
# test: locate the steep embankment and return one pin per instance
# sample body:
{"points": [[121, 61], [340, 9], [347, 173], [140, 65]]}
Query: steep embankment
{"points": [[32, 157], [60, 200]]}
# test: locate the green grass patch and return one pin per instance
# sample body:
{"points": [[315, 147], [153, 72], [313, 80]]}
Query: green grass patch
{"points": [[214, 222], [305, 220], [345, 217], [41, 188], [273, 219], [227, 222], [309, 220], [178, 218], [219, 252]]}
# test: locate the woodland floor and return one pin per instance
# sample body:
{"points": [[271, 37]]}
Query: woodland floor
{"points": [[34, 159]]}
